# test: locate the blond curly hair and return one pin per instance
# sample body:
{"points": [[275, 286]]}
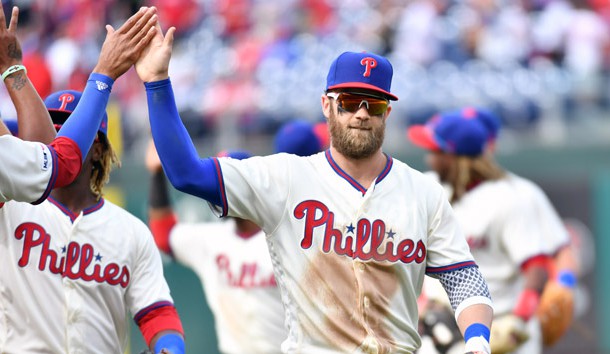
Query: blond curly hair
{"points": [[102, 168], [469, 170]]}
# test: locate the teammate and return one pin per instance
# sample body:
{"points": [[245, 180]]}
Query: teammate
{"points": [[556, 310], [351, 231], [236, 274], [505, 237], [75, 265], [28, 170]]}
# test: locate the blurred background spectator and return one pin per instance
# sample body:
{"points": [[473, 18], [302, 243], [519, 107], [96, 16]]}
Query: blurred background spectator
{"points": [[242, 68]]}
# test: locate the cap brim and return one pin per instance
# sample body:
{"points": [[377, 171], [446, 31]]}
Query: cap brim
{"points": [[364, 86], [421, 136]]}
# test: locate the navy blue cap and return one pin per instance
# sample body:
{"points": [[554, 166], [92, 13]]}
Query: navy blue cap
{"points": [[61, 104], [451, 132], [361, 70], [298, 137]]}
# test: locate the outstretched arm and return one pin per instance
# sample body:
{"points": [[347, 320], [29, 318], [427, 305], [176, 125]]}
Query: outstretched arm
{"points": [[119, 52], [184, 168], [469, 297], [33, 118]]}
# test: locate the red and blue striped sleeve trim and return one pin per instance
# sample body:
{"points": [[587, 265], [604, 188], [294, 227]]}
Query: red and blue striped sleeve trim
{"points": [[451, 267], [52, 180], [157, 305], [224, 204]]}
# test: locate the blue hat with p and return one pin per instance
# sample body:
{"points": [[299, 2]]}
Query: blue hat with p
{"points": [[455, 132], [363, 71], [61, 104], [298, 137]]}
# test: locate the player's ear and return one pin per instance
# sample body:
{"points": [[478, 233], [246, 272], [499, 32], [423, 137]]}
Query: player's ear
{"points": [[97, 150], [326, 106]]}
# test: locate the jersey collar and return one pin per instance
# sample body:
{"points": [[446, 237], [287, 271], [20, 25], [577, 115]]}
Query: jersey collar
{"points": [[352, 181]]}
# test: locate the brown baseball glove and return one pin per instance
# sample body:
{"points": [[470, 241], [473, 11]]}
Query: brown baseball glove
{"points": [[555, 311]]}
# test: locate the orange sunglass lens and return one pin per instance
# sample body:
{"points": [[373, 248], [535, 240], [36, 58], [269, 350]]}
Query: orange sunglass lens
{"points": [[351, 103]]}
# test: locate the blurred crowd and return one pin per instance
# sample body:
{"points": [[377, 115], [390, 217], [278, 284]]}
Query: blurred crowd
{"points": [[258, 63]]}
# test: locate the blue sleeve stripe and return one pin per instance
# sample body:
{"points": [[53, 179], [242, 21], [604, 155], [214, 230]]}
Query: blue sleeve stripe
{"points": [[143, 312], [451, 267], [224, 204], [53, 178]]}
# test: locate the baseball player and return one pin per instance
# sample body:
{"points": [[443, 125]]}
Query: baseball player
{"points": [[90, 261], [556, 309], [505, 238], [236, 274], [28, 170], [351, 231]]}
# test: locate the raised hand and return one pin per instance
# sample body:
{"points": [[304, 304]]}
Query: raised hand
{"points": [[153, 64], [123, 47], [10, 49]]}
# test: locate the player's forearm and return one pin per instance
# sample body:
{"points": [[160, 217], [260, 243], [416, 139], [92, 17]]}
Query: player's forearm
{"points": [[565, 260], [161, 217], [84, 122], [475, 323], [33, 118], [185, 170]]}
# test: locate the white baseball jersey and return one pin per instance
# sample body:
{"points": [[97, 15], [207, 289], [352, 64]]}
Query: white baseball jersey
{"points": [[350, 261], [67, 281], [239, 284], [503, 232], [26, 168], [552, 227]]}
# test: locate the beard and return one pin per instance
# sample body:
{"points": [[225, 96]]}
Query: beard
{"points": [[355, 143]]}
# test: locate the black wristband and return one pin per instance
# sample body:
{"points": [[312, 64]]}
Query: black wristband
{"points": [[158, 194]]}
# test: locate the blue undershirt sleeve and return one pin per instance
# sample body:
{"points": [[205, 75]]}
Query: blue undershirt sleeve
{"points": [[185, 170], [83, 124]]}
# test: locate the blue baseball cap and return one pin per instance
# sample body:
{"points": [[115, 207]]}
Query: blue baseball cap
{"points": [[490, 120], [451, 132], [361, 70], [298, 137], [61, 104], [234, 154]]}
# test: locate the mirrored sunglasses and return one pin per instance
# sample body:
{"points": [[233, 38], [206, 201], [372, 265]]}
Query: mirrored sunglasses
{"points": [[350, 102]]}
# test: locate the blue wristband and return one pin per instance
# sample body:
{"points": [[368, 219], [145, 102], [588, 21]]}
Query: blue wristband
{"points": [[476, 330], [172, 342], [567, 278]]}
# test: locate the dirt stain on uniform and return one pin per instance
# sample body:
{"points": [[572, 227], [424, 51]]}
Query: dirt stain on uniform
{"points": [[356, 298]]}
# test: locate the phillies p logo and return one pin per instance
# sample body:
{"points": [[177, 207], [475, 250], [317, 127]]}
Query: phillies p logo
{"points": [[368, 63], [65, 99]]}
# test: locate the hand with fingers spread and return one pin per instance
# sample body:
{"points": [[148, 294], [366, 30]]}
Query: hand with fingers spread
{"points": [[153, 64], [122, 47], [10, 49]]}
